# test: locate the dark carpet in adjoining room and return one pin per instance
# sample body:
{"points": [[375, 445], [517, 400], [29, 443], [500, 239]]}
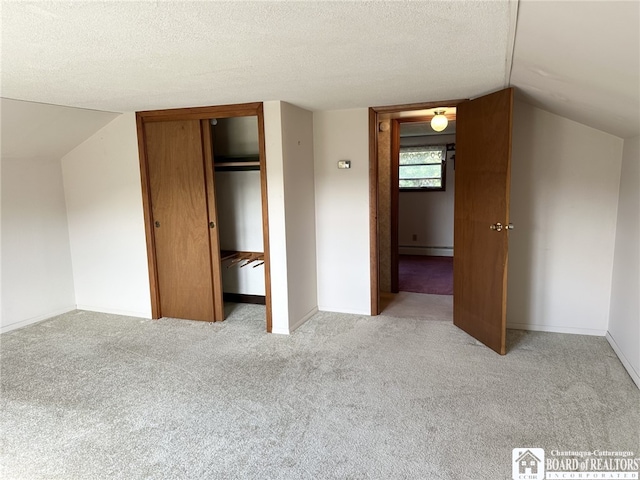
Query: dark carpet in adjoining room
{"points": [[425, 274]]}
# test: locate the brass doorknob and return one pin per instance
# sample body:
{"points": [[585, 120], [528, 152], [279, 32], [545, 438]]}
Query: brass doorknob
{"points": [[157, 223], [498, 227], [212, 225]]}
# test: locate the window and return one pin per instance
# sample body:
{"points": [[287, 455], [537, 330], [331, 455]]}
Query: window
{"points": [[422, 168]]}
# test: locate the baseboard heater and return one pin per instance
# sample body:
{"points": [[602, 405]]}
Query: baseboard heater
{"points": [[244, 298], [432, 251]]}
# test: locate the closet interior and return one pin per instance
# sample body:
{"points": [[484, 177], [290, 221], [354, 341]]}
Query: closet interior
{"points": [[204, 198], [236, 161]]}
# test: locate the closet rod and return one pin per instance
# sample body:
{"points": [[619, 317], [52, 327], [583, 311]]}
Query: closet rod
{"points": [[236, 258]]}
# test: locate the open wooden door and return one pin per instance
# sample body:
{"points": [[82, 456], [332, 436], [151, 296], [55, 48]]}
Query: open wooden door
{"points": [[481, 218]]}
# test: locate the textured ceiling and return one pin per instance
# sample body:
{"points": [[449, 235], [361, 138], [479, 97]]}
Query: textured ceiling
{"points": [[126, 56], [578, 59]]}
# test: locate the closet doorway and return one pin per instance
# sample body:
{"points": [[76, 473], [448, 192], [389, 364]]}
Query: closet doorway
{"points": [[203, 173]]}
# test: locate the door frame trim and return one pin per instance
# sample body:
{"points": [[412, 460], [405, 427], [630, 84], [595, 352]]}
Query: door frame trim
{"points": [[200, 113], [395, 111]]}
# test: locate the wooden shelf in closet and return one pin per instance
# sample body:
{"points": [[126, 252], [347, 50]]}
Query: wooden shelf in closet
{"points": [[237, 163]]}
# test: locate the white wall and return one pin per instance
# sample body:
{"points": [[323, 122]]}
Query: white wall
{"points": [[106, 223], [37, 281], [276, 208], [564, 197], [239, 209], [342, 210], [297, 149], [428, 215], [289, 150], [624, 319]]}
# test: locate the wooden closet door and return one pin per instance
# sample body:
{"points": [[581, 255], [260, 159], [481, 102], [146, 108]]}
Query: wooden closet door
{"points": [[180, 217]]}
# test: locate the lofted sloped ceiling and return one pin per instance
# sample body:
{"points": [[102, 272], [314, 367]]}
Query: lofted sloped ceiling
{"points": [[40, 131], [581, 60], [578, 59]]}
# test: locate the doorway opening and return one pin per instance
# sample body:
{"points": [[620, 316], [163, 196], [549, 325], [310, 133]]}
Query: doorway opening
{"points": [[422, 199], [412, 187], [481, 210]]}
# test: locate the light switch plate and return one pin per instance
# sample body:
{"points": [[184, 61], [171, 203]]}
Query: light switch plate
{"points": [[344, 163]]}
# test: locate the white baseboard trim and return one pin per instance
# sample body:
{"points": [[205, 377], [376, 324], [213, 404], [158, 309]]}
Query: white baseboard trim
{"points": [[546, 328], [114, 311], [342, 310], [635, 376], [303, 320], [39, 318], [431, 251], [298, 323], [277, 331]]}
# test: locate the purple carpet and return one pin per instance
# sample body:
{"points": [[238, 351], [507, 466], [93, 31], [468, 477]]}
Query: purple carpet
{"points": [[423, 274]]}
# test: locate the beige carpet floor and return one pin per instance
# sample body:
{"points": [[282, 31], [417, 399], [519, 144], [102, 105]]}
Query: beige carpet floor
{"points": [[97, 396]]}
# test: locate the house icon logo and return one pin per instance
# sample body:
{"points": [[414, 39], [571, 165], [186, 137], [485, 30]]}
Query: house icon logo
{"points": [[528, 463]]}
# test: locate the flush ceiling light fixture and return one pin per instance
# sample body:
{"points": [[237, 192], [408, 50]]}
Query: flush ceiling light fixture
{"points": [[439, 122]]}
